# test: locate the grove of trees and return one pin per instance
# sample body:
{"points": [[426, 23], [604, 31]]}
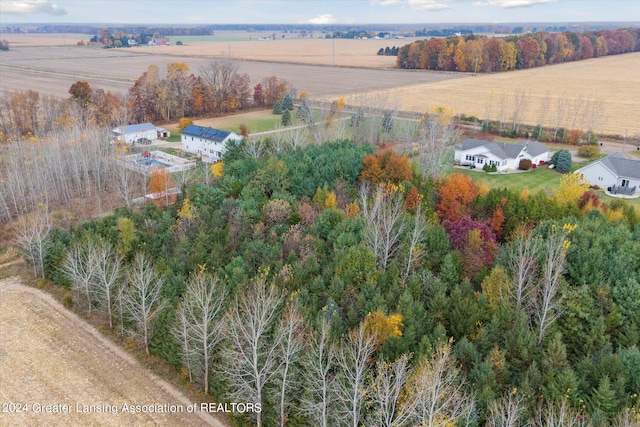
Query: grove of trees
{"points": [[484, 54], [362, 293]]}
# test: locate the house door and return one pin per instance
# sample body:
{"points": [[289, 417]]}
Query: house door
{"points": [[625, 183]]}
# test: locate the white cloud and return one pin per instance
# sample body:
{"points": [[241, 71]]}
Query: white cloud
{"points": [[415, 4], [506, 4], [325, 18], [30, 7]]}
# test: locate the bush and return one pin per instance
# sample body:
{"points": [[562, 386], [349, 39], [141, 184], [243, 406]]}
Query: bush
{"points": [[589, 151], [561, 160], [486, 167], [494, 168], [525, 164]]}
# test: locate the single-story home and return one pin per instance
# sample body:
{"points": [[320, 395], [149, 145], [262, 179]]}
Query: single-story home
{"points": [[615, 173], [142, 131], [478, 152], [207, 142]]}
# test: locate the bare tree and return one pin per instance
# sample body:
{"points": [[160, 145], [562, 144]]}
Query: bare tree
{"points": [[107, 273], [386, 392], [559, 415], [251, 356], [435, 395], [507, 412], [32, 238], [126, 183], [437, 135], [142, 296], [417, 233], [520, 105], [199, 324], [353, 361], [255, 147], [318, 367], [291, 345], [521, 259], [79, 266], [548, 297], [385, 221], [219, 75]]}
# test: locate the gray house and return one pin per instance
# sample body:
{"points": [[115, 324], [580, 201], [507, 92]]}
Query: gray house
{"points": [[615, 173]]}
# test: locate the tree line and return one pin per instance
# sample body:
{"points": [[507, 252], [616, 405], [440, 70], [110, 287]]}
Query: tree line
{"points": [[155, 96], [372, 290], [483, 54]]}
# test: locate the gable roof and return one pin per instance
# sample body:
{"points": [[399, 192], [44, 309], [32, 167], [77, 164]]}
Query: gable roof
{"points": [[503, 150], [211, 134], [140, 127], [621, 166]]}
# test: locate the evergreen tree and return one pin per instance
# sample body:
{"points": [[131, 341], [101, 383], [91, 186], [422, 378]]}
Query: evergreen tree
{"points": [[287, 103], [286, 118], [277, 108]]}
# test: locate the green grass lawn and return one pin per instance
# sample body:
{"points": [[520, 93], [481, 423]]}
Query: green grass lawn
{"points": [[540, 179]]}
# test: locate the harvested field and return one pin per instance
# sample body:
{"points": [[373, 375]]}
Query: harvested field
{"points": [[49, 356], [605, 90], [52, 71]]}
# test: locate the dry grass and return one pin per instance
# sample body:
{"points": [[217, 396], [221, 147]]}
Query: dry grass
{"points": [[609, 84]]}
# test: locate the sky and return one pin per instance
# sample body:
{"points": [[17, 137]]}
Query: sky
{"points": [[193, 12]]}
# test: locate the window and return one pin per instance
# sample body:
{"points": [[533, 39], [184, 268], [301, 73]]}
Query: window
{"points": [[625, 183]]}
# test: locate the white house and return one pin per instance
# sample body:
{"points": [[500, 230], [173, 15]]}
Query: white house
{"points": [[142, 131], [615, 173], [207, 142], [505, 156]]}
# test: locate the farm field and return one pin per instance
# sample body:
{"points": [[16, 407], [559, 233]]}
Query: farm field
{"points": [[49, 356], [605, 90], [52, 70]]}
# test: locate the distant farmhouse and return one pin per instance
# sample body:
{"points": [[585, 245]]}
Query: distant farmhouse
{"points": [[141, 132], [615, 173], [159, 41], [476, 152], [207, 142]]}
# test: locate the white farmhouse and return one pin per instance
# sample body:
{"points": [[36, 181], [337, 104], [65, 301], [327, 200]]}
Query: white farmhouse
{"points": [[143, 131], [207, 142], [615, 173], [505, 156]]}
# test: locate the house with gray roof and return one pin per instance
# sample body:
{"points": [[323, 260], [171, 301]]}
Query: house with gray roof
{"points": [[615, 173], [207, 142], [477, 152], [142, 131]]}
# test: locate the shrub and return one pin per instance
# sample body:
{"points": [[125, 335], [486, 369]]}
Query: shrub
{"points": [[589, 151], [494, 168], [525, 164], [486, 167]]}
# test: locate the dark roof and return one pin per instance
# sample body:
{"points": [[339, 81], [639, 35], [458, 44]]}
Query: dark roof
{"points": [[624, 168], [140, 127], [211, 134], [503, 150]]}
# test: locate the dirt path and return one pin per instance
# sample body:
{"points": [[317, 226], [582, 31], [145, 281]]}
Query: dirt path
{"points": [[50, 356]]}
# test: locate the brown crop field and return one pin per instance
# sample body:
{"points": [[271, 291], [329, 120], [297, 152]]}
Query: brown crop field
{"points": [[52, 361], [604, 92]]}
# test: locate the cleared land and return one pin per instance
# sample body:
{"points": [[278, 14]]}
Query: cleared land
{"points": [[49, 356]]}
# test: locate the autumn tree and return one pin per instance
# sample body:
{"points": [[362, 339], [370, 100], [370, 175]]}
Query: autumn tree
{"points": [[183, 123], [455, 197], [572, 187], [386, 167], [387, 391], [32, 238], [81, 93]]}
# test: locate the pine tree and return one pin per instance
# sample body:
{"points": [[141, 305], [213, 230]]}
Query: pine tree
{"points": [[287, 103], [286, 118], [277, 108]]}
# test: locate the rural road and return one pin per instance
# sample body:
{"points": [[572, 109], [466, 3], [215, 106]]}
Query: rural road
{"points": [[53, 366]]}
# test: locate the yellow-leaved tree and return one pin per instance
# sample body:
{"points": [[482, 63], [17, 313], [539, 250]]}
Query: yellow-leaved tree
{"points": [[217, 169], [572, 187], [382, 326]]}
